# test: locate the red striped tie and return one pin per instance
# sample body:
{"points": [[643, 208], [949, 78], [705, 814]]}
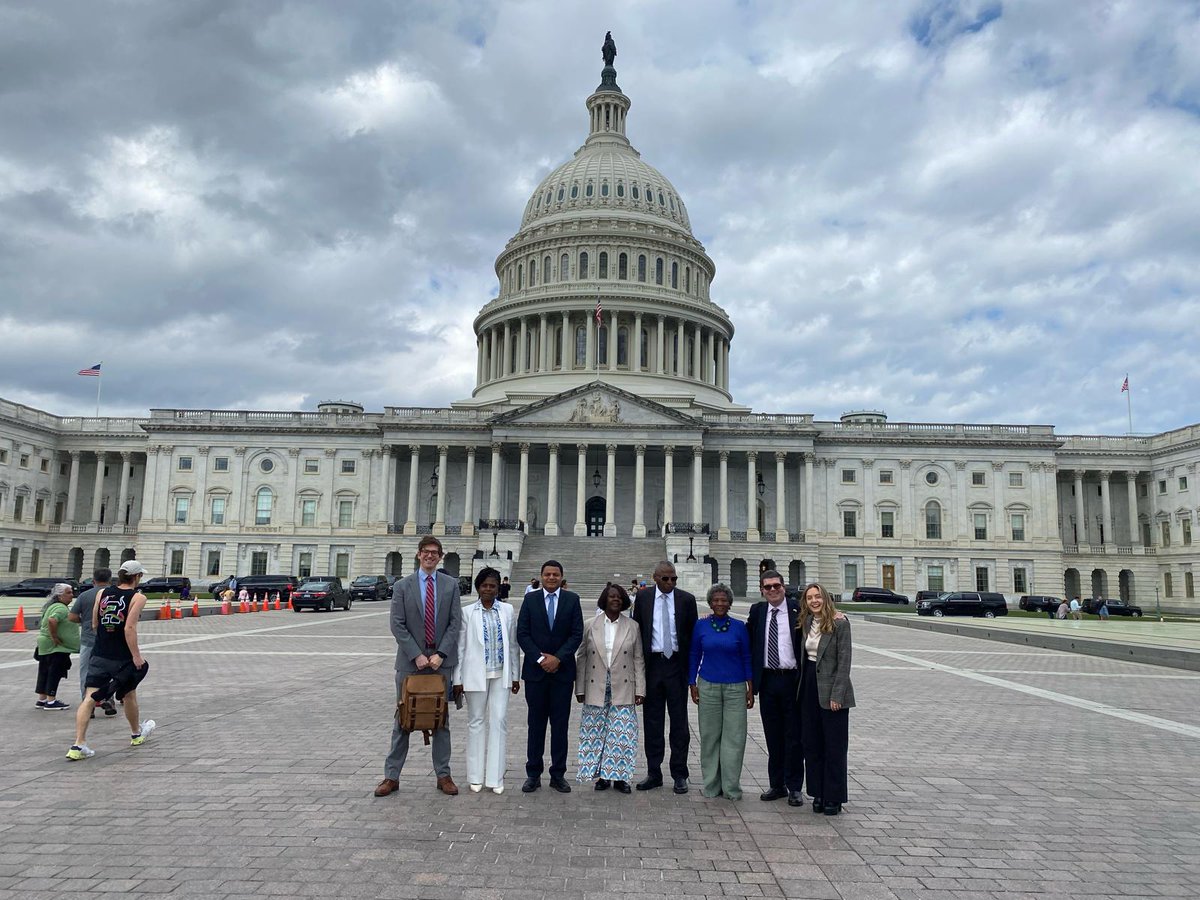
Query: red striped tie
{"points": [[429, 612]]}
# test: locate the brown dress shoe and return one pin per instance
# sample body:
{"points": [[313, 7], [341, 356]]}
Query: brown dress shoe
{"points": [[387, 786], [447, 786]]}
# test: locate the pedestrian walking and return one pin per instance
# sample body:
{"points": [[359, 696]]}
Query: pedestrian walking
{"points": [[58, 638], [81, 612]]}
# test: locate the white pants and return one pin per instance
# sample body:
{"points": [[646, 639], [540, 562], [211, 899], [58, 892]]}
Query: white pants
{"points": [[487, 733]]}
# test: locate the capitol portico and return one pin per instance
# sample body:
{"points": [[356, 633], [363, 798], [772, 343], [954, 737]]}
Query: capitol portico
{"points": [[602, 428]]}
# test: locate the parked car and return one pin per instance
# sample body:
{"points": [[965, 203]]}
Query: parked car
{"points": [[34, 587], [1040, 603], [370, 587], [964, 603], [928, 595], [165, 584], [321, 593], [259, 585], [877, 595], [1115, 607]]}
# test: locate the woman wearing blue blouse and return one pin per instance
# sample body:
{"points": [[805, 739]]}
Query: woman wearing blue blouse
{"points": [[721, 685]]}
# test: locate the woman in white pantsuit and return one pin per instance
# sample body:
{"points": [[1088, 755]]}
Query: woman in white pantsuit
{"points": [[488, 670]]}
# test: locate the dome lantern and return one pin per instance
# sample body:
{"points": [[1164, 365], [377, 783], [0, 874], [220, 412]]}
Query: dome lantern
{"points": [[608, 106]]}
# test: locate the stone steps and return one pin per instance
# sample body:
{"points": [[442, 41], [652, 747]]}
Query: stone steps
{"points": [[589, 562]]}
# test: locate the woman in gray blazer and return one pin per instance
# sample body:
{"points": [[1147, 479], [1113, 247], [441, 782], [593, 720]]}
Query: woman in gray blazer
{"points": [[610, 680], [825, 696]]}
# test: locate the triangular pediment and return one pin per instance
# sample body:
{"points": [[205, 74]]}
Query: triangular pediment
{"points": [[597, 403]]}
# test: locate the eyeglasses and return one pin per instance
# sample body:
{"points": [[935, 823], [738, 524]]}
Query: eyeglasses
{"points": [[429, 552], [772, 587], [668, 577]]}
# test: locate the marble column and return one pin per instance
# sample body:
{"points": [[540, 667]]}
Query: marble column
{"points": [[781, 529], [613, 342], [494, 511], [697, 511], [414, 465], [725, 364], [439, 521], [1135, 532], [635, 361], [237, 499], [610, 490], [123, 492], [98, 488], [468, 524], [551, 528], [680, 351], [1035, 528], [962, 515], [808, 523], [564, 340], [697, 367], [580, 488], [723, 497], [73, 488], [1105, 508], [639, 491], [523, 485], [1053, 529], [523, 349], [752, 532], [543, 343], [668, 484], [661, 349], [1080, 519], [868, 524], [907, 500], [592, 338]]}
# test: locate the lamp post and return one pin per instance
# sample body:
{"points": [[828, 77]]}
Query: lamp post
{"points": [[691, 555], [1157, 608], [596, 478], [760, 485]]}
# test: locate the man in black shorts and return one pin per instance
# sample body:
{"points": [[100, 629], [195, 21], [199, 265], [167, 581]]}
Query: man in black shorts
{"points": [[116, 667]]}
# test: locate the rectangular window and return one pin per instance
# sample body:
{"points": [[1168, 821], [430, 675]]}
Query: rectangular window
{"points": [[24, 461], [3, 456], [181, 510], [1162, 486], [978, 479], [217, 511], [341, 567], [1189, 585], [1143, 489], [263, 503], [185, 464], [312, 467], [849, 476], [980, 526], [62, 468], [933, 522], [345, 513], [849, 523], [1182, 482], [937, 581], [258, 563], [1016, 479], [1145, 534], [305, 567], [1020, 581], [220, 463], [981, 578], [308, 513], [887, 524], [348, 466], [46, 468], [176, 562], [1018, 526], [886, 476], [59, 512], [1166, 534], [1186, 525], [850, 576], [18, 508], [35, 559], [214, 563], [39, 510], [1168, 585], [14, 557], [889, 577]]}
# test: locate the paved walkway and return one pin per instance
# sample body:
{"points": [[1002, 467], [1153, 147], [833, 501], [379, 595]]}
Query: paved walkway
{"points": [[978, 771]]}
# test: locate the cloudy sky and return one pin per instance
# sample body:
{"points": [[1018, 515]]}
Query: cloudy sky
{"points": [[966, 212]]}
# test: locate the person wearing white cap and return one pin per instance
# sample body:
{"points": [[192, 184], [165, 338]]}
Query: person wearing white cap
{"points": [[116, 667]]}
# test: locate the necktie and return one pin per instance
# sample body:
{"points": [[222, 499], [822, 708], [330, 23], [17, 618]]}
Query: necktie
{"points": [[773, 640], [429, 612], [550, 607], [668, 649]]}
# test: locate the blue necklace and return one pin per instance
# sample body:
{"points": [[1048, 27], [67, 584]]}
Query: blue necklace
{"points": [[720, 625]]}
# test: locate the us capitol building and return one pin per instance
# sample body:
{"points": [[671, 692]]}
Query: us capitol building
{"points": [[602, 430]]}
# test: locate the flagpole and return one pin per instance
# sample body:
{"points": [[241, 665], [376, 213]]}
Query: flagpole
{"points": [[99, 379], [1129, 402]]}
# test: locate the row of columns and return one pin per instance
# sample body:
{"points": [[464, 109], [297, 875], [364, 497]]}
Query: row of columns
{"points": [[126, 457], [1081, 534]]}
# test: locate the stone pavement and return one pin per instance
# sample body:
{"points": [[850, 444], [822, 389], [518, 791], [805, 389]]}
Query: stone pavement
{"points": [[978, 771]]}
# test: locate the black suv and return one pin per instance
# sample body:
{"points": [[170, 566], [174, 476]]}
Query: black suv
{"points": [[928, 595], [260, 585], [165, 584], [34, 587], [370, 587], [321, 593], [1115, 607], [964, 603], [877, 595], [1040, 603]]}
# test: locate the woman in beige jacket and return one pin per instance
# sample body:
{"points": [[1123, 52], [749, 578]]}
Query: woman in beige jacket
{"points": [[610, 680]]}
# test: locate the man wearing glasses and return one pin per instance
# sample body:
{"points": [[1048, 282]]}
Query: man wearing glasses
{"points": [[667, 617], [425, 617]]}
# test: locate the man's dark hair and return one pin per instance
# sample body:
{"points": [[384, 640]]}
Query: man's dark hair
{"points": [[430, 541], [100, 575], [768, 573], [552, 562]]}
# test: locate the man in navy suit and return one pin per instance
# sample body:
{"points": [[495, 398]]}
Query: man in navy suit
{"points": [[549, 630]]}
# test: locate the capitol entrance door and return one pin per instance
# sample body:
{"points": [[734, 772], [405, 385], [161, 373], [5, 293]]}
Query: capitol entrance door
{"points": [[594, 516]]}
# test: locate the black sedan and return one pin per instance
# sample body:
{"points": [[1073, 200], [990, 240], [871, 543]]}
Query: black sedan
{"points": [[370, 587], [34, 587], [964, 603], [321, 593], [878, 595], [1115, 608]]}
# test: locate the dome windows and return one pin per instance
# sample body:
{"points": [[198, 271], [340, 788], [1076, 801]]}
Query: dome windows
{"points": [[604, 189], [635, 192], [641, 268], [589, 190], [574, 192], [658, 271], [675, 275], [671, 197], [661, 201], [547, 197], [564, 267], [649, 194], [620, 189], [623, 265], [583, 265], [562, 191], [603, 261]]}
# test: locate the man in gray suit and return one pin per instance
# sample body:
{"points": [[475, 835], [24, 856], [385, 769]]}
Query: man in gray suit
{"points": [[426, 616]]}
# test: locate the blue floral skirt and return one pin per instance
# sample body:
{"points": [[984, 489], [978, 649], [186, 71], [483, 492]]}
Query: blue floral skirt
{"points": [[608, 740]]}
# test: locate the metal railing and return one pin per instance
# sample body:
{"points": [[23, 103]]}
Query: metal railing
{"points": [[501, 525], [686, 528]]}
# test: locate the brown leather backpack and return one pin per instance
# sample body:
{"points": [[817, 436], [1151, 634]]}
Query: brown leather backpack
{"points": [[422, 704]]}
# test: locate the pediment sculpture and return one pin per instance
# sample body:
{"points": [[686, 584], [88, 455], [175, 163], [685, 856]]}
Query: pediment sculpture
{"points": [[596, 410]]}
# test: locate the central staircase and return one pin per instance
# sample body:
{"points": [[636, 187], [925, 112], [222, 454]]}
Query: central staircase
{"points": [[589, 562]]}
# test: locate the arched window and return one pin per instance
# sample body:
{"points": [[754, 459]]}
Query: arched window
{"points": [[520, 276], [687, 278], [658, 271], [675, 275], [547, 197], [645, 363], [589, 190], [635, 192], [622, 346], [561, 193], [603, 345], [558, 336], [933, 521], [623, 267], [264, 500], [564, 267], [674, 369], [546, 273], [671, 198], [661, 201], [620, 189], [583, 265], [513, 340], [532, 272], [580, 345], [604, 189], [574, 191], [641, 268], [603, 261]]}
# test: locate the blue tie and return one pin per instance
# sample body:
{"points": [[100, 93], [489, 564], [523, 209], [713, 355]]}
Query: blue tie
{"points": [[550, 606]]}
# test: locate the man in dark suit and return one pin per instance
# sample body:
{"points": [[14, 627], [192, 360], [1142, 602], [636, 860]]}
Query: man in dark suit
{"points": [[667, 617], [426, 615], [775, 653], [549, 631]]}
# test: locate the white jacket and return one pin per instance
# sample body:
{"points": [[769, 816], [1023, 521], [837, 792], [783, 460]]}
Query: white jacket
{"points": [[471, 671]]}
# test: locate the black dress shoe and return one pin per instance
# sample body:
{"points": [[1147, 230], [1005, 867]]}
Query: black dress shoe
{"points": [[621, 787], [650, 782], [775, 793], [681, 786], [560, 784], [832, 809], [795, 798], [531, 784], [602, 784], [818, 805]]}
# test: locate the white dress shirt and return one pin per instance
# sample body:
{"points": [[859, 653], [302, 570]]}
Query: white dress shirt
{"points": [[787, 653], [610, 638], [663, 617]]}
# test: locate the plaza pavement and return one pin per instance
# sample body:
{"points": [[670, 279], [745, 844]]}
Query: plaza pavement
{"points": [[978, 770]]}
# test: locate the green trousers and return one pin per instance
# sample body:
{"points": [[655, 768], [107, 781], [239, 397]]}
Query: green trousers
{"points": [[722, 716]]}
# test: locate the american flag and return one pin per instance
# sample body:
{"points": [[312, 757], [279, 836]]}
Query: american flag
{"points": [[1125, 385], [94, 370], [598, 311]]}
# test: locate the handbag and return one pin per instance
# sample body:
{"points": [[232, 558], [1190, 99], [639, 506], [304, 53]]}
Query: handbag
{"points": [[422, 704]]}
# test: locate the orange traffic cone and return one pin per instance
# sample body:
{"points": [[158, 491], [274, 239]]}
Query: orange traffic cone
{"points": [[179, 612], [195, 609], [276, 603], [254, 605], [290, 607], [19, 622], [225, 610]]}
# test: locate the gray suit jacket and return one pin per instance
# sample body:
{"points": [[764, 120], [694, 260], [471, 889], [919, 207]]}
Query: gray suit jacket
{"points": [[408, 622], [628, 668], [833, 663]]}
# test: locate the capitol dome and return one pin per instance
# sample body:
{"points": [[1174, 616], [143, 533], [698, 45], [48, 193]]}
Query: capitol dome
{"points": [[604, 281]]}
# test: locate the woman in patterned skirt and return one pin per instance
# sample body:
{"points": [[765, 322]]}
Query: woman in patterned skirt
{"points": [[610, 680]]}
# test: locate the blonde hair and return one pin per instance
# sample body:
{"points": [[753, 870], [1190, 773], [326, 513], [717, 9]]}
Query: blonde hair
{"points": [[827, 616]]}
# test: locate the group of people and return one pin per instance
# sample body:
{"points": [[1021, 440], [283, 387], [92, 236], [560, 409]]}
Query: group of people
{"points": [[653, 651], [101, 626], [1074, 610]]}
